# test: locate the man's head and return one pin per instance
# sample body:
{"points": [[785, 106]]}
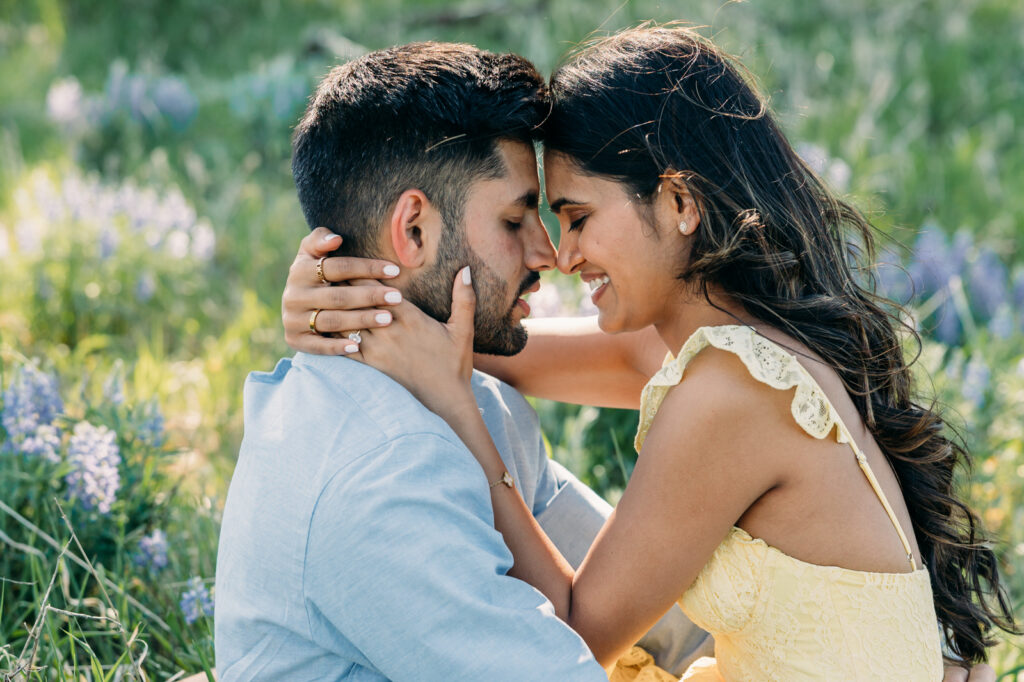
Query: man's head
{"points": [[424, 153]]}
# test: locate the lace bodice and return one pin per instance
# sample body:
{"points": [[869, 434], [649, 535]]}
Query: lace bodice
{"points": [[773, 616]]}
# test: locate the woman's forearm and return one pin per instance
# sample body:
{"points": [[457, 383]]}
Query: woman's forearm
{"points": [[536, 560], [571, 360]]}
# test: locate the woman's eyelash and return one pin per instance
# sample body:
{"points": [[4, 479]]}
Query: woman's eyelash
{"points": [[512, 225], [577, 224]]}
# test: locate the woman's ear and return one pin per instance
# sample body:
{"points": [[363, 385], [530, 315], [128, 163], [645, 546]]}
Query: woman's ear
{"points": [[677, 203], [414, 229]]}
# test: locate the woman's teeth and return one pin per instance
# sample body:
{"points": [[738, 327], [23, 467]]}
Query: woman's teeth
{"points": [[596, 284]]}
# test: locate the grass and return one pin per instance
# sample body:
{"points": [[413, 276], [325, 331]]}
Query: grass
{"points": [[912, 108]]}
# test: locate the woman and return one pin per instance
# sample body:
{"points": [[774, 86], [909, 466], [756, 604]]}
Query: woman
{"points": [[789, 493]]}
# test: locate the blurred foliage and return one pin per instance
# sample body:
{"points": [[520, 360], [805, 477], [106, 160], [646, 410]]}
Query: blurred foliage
{"points": [[147, 219], [108, 533]]}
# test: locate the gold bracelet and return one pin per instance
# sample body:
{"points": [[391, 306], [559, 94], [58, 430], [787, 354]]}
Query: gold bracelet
{"points": [[506, 478]]}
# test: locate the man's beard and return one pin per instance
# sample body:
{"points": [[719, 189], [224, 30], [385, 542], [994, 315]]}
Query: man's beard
{"points": [[494, 330]]}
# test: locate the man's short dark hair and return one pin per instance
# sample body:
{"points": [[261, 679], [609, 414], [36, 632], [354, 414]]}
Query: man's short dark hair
{"points": [[426, 116]]}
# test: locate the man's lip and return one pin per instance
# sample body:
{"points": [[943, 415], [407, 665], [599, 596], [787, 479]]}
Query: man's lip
{"points": [[588, 276]]}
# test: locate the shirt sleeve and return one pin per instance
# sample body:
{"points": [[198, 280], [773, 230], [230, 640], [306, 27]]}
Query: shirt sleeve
{"points": [[404, 564]]}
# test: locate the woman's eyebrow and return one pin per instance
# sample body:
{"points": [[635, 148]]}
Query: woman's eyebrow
{"points": [[556, 206]]}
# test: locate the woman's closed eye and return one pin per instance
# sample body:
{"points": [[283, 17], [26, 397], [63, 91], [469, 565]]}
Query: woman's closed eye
{"points": [[577, 224], [513, 225]]}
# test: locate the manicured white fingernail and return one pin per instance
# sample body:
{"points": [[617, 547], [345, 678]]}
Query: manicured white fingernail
{"points": [[351, 348], [466, 277], [391, 270], [331, 237], [393, 297], [382, 318]]}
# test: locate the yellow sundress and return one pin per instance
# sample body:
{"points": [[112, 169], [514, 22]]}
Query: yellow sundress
{"points": [[773, 616]]}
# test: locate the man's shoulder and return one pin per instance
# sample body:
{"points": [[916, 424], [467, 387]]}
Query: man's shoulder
{"points": [[333, 390], [491, 392]]}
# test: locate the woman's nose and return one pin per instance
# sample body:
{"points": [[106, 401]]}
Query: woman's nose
{"points": [[569, 257]]}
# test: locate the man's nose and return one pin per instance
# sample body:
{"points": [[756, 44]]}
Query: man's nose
{"points": [[569, 256], [540, 252]]}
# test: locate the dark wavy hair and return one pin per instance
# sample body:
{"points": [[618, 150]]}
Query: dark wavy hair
{"points": [[427, 115], [655, 101]]}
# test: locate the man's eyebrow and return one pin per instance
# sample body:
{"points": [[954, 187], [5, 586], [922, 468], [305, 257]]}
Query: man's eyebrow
{"points": [[530, 199], [556, 206]]}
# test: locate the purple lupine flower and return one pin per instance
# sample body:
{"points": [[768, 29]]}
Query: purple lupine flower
{"points": [[987, 283], [94, 457], [196, 601], [274, 88], [108, 242], [290, 89], [177, 243], [933, 263], [947, 323], [113, 387], [975, 382], [173, 211], [138, 103], [891, 279], [963, 244], [151, 428], [1018, 290], [44, 442], [152, 551], [175, 101], [1018, 297], [31, 401], [167, 220], [1001, 323]]}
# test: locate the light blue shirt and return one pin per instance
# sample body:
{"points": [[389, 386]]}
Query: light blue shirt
{"points": [[358, 540]]}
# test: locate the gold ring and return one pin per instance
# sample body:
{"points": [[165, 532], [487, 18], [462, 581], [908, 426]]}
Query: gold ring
{"points": [[312, 322], [320, 270]]}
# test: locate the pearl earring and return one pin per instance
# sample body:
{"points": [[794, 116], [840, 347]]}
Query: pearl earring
{"points": [[683, 227]]}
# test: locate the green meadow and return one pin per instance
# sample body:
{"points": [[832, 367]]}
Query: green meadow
{"points": [[148, 218]]}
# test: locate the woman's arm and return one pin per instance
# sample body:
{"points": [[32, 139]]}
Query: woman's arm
{"points": [[566, 359], [696, 476], [703, 464], [569, 359]]}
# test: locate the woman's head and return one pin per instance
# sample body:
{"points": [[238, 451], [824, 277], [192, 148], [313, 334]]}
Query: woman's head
{"points": [[665, 113], [661, 132]]}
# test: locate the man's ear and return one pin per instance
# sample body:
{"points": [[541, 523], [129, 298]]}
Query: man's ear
{"points": [[415, 229]]}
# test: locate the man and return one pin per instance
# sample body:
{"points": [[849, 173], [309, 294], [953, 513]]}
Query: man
{"points": [[358, 539]]}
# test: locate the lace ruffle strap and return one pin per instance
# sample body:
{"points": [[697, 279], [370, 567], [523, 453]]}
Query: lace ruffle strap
{"points": [[766, 362], [770, 364]]}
